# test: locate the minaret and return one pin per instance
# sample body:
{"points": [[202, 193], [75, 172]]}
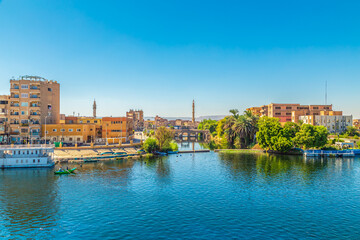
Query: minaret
{"points": [[94, 109], [193, 112]]}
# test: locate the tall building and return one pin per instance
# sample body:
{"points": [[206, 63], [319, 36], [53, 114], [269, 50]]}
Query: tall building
{"points": [[4, 124], [138, 118], [33, 101], [289, 112]]}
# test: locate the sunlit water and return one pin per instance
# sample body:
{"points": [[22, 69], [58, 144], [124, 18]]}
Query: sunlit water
{"points": [[192, 196]]}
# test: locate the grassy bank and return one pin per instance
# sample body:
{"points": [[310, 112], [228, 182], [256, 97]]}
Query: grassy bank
{"points": [[238, 150]]}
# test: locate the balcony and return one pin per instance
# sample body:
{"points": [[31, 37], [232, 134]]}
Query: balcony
{"points": [[34, 105], [14, 123], [34, 114], [14, 96], [14, 114], [15, 105], [15, 87], [35, 123], [34, 96], [24, 124]]}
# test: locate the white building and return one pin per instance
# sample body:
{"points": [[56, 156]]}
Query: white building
{"points": [[335, 124]]}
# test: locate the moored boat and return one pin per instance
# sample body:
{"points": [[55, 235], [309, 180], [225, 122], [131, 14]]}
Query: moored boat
{"points": [[26, 156]]}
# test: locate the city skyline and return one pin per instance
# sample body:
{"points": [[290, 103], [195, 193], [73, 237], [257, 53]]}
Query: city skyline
{"points": [[159, 57]]}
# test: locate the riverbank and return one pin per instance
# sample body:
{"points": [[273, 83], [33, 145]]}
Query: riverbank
{"points": [[80, 154]]}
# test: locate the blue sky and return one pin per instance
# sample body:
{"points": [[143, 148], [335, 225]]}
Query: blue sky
{"points": [[159, 55]]}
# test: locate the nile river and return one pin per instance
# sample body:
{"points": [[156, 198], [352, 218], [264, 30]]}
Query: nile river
{"points": [[201, 196]]}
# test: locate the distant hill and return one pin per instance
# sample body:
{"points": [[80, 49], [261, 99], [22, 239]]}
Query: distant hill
{"points": [[214, 117]]}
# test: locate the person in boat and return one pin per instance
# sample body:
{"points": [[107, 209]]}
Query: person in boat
{"points": [[60, 169]]}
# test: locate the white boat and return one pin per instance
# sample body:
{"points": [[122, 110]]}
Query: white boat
{"points": [[26, 156]]}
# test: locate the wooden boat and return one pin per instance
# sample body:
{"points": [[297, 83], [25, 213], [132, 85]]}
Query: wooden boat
{"points": [[90, 160], [173, 152], [64, 171]]}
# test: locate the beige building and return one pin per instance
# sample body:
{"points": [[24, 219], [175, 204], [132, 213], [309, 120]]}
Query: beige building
{"points": [[138, 118], [334, 121], [33, 101], [288, 112]]}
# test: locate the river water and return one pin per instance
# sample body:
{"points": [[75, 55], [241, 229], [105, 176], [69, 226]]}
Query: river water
{"points": [[192, 196]]}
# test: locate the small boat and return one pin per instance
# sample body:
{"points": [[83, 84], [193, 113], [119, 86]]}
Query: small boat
{"points": [[161, 153], [90, 160], [173, 152], [119, 153], [106, 153], [64, 171]]}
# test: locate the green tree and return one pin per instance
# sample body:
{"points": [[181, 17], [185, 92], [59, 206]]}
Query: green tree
{"points": [[269, 130], [208, 124], [352, 131], [150, 145], [311, 136], [164, 136]]}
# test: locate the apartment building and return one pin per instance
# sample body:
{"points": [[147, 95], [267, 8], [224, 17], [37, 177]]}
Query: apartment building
{"points": [[138, 118], [69, 133], [289, 112], [4, 109], [33, 101], [116, 129], [334, 121]]}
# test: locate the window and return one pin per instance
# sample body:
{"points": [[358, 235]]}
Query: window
{"points": [[34, 161], [54, 130], [277, 107], [78, 130], [24, 86], [78, 139], [17, 161], [288, 107], [54, 139], [49, 107], [24, 113], [46, 132], [277, 114], [24, 104], [70, 139], [24, 95], [95, 121], [70, 129], [62, 130], [38, 160], [21, 161], [49, 89], [27, 152]]}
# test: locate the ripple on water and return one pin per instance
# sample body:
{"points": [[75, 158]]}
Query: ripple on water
{"points": [[202, 196]]}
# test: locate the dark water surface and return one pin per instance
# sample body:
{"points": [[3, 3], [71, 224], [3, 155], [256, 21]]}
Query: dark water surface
{"points": [[201, 196]]}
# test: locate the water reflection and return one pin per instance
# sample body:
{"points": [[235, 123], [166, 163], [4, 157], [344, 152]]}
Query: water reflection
{"points": [[269, 167], [29, 203]]}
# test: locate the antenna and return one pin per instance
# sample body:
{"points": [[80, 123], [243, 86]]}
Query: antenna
{"points": [[326, 92]]}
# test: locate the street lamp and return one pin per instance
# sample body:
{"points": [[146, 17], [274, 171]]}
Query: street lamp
{"points": [[45, 128]]}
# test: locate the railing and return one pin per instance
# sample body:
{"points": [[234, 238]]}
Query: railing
{"points": [[34, 88], [25, 146], [34, 105], [24, 124], [14, 105], [14, 114], [34, 96], [15, 87], [12, 123], [15, 96]]}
